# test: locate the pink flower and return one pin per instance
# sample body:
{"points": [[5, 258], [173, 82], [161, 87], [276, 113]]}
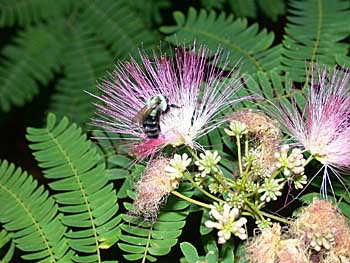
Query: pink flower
{"points": [[323, 128], [193, 85]]}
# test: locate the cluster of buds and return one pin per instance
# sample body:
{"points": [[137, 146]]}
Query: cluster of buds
{"points": [[320, 239], [235, 199], [319, 234], [292, 165], [227, 222]]}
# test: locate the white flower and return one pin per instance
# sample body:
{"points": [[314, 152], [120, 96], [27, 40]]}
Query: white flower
{"points": [[271, 189], [177, 166], [208, 162], [227, 223]]}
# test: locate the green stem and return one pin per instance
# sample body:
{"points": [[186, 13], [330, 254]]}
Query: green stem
{"points": [[261, 214], [254, 208], [190, 200], [189, 178], [277, 218], [239, 151], [311, 157], [246, 144]]}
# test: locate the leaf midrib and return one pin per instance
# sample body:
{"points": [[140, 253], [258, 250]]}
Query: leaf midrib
{"points": [[34, 221], [76, 175]]}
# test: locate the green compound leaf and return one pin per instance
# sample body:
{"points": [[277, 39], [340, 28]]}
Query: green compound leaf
{"points": [[75, 171], [243, 43], [190, 252], [7, 246], [146, 240], [243, 8], [33, 58], [32, 217], [123, 30], [26, 12], [314, 34], [85, 60], [272, 8]]}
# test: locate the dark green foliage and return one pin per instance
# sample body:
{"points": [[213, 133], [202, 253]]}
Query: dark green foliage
{"points": [[31, 216], [243, 8], [190, 252], [7, 246], [123, 30], [314, 34], [71, 42], [32, 11], [146, 239], [31, 60], [243, 43], [85, 60], [250, 8], [272, 8], [76, 173]]}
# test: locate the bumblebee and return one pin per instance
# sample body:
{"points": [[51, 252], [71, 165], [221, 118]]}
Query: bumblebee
{"points": [[149, 116]]}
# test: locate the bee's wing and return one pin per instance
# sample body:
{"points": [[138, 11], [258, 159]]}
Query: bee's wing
{"points": [[141, 115]]}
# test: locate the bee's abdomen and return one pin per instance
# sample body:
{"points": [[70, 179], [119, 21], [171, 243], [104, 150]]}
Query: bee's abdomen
{"points": [[151, 126]]}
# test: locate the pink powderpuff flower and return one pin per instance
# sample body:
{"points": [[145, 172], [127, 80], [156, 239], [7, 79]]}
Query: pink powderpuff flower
{"points": [[195, 90], [323, 127]]}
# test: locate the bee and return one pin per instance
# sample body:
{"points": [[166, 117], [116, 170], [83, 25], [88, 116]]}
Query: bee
{"points": [[149, 116]]}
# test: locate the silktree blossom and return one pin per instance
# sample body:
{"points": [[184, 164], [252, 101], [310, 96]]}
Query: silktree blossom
{"points": [[194, 86], [323, 127]]}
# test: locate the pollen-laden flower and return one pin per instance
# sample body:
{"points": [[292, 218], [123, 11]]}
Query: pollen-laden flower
{"points": [[162, 176], [193, 90], [153, 188], [227, 223], [325, 232], [323, 127], [275, 245], [265, 135]]}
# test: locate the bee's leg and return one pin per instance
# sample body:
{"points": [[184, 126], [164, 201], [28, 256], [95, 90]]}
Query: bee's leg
{"points": [[171, 106]]}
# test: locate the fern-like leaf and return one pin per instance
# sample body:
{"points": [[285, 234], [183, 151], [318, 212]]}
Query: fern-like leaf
{"points": [[243, 8], [85, 60], [314, 33], [150, 11], [31, 215], [24, 12], [272, 8], [146, 240], [31, 60], [243, 43], [118, 26], [86, 198], [7, 246]]}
